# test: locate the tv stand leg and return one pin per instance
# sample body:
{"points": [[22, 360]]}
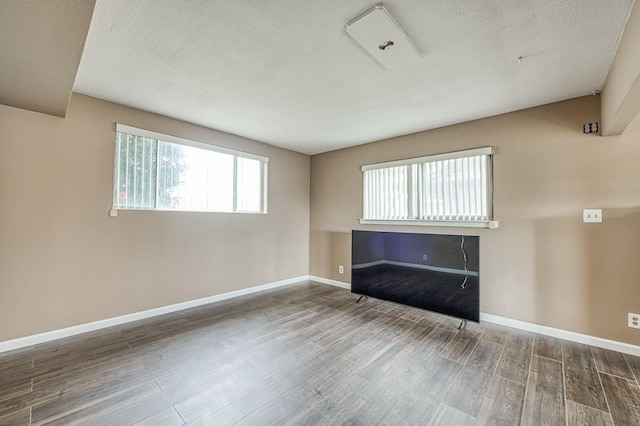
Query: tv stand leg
{"points": [[462, 325], [360, 298]]}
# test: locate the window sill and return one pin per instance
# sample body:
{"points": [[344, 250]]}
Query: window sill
{"points": [[489, 224], [114, 211]]}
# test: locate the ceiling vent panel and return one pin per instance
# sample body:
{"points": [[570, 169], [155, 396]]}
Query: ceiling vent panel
{"points": [[381, 36]]}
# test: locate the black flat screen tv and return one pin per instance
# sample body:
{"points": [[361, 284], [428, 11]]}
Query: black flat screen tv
{"points": [[435, 272]]}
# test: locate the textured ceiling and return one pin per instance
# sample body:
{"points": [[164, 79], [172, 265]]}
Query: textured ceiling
{"points": [[286, 73]]}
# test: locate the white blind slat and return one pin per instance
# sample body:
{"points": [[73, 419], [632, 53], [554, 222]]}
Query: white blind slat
{"points": [[448, 188], [152, 174]]}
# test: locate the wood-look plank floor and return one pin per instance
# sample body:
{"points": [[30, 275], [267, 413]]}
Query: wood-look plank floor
{"points": [[308, 354]]}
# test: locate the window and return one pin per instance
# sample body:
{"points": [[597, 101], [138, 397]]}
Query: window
{"points": [[162, 172], [446, 189]]}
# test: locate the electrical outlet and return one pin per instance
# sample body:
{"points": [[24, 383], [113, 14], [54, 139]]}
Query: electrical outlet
{"points": [[592, 216], [341, 269], [634, 320], [424, 257]]}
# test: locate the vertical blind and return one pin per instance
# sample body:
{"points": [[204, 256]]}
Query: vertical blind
{"points": [[162, 172], [445, 187], [135, 174]]}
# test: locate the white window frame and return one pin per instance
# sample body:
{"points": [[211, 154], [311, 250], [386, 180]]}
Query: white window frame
{"points": [[264, 161], [412, 193]]}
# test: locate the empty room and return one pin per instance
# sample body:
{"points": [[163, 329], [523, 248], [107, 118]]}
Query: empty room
{"points": [[319, 212]]}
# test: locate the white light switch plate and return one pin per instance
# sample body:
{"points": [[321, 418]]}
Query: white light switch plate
{"points": [[592, 216]]}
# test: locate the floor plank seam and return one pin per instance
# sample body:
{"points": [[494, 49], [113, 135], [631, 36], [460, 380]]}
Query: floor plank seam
{"points": [[619, 377], [84, 406], [591, 408], [564, 386], [179, 415], [549, 358], [493, 377], [509, 379], [472, 350], [606, 399], [158, 384], [526, 386], [634, 372]]}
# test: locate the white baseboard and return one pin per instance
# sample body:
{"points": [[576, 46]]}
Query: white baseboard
{"points": [[571, 336], [330, 282], [613, 345], [48, 336], [23, 342]]}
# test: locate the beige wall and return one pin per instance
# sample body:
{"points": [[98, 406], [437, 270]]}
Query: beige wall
{"points": [[64, 261], [543, 265]]}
